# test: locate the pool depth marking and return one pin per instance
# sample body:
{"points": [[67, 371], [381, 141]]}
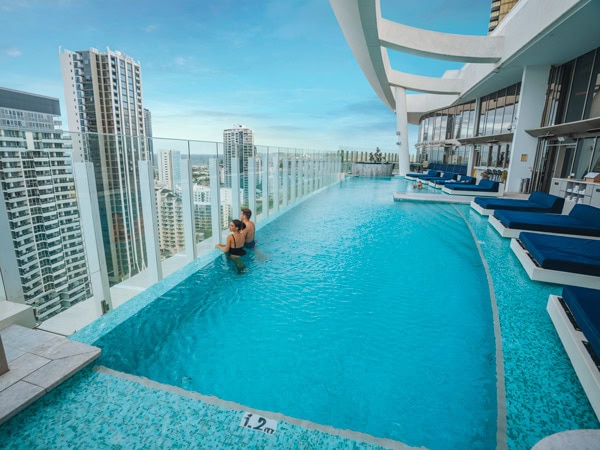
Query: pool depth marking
{"points": [[258, 423], [356, 436]]}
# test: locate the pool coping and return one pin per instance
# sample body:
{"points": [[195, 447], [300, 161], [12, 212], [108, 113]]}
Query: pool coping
{"points": [[38, 362]]}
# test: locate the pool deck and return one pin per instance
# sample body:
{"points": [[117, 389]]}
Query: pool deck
{"points": [[38, 361]]}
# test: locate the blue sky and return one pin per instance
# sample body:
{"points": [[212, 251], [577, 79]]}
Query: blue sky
{"points": [[280, 67]]}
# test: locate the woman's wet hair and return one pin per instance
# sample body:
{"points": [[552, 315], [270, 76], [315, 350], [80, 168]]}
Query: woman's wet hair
{"points": [[238, 224]]}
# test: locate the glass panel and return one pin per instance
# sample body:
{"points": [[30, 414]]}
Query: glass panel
{"points": [[596, 157], [592, 108], [200, 153], [579, 88], [564, 161], [583, 157], [482, 117]]}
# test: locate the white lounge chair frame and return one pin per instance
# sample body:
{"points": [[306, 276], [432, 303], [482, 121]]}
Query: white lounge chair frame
{"points": [[481, 210], [500, 192], [515, 232], [537, 273], [572, 340]]}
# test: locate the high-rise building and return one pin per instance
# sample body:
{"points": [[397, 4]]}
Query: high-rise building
{"points": [[500, 8], [37, 185], [107, 119], [170, 222], [238, 142], [169, 168]]}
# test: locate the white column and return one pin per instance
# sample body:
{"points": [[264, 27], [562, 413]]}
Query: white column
{"points": [[293, 178], [9, 267], [215, 199], [252, 185], [301, 177], [150, 220], [471, 161], [529, 113], [275, 160], [285, 174], [87, 202], [402, 131], [265, 184], [187, 203], [235, 187]]}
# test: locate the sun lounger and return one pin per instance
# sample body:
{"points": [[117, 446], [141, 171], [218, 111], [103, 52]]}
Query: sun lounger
{"points": [[537, 202], [462, 179], [582, 220], [485, 188], [576, 317], [559, 259], [446, 177], [422, 176]]}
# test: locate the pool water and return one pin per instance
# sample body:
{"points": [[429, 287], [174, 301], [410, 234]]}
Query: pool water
{"points": [[403, 285], [354, 312]]}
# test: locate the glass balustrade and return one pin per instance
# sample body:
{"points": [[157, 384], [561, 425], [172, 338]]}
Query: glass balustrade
{"points": [[126, 211]]}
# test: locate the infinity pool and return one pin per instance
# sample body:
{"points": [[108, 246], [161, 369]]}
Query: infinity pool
{"points": [[355, 312]]}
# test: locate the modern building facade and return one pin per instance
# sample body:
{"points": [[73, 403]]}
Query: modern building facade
{"points": [[108, 122], [500, 8], [524, 105], [41, 231], [238, 142]]}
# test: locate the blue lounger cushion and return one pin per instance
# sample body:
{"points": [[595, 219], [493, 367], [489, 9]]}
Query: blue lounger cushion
{"points": [[429, 174], [465, 179], [584, 303], [483, 186], [583, 220], [445, 177], [563, 253], [537, 202]]}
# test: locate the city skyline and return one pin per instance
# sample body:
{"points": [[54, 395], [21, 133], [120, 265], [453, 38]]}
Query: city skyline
{"points": [[283, 69]]}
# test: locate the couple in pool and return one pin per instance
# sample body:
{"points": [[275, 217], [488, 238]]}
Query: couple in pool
{"points": [[242, 235]]}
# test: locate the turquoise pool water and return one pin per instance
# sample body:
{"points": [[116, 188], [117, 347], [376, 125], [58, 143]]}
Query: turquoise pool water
{"points": [[357, 313], [543, 396]]}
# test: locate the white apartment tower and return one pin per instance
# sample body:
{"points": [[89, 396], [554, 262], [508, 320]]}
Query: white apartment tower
{"points": [[169, 210], [238, 142], [108, 122], [38, 207], [169, 168]]}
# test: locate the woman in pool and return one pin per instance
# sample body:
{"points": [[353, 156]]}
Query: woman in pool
{"points": [[234, 246]]}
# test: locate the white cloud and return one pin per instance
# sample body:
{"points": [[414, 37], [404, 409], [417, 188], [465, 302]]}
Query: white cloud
{"points": [[14, 52], [180, 61]]}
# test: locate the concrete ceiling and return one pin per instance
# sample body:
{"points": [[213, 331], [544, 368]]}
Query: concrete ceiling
{"points": [[574, 31]]}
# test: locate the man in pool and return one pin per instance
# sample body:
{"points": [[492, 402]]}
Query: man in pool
{"points": [[249, 230]]}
